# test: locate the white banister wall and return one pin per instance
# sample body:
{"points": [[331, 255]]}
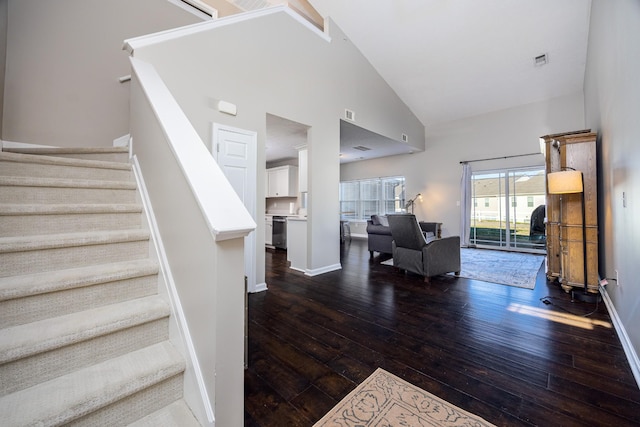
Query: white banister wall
{"points": [[202, 224]]}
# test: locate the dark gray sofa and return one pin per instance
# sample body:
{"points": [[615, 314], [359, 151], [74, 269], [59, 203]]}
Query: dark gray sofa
{"points": [[380, 238]]}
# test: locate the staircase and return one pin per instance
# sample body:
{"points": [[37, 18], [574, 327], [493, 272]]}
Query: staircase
{"points": [[84, 335]]}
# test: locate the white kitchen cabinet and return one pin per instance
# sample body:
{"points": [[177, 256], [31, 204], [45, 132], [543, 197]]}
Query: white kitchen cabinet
{"points": [[282, 181], [268, 230]]}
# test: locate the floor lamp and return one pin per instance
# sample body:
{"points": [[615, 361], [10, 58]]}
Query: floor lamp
{"points": [[571, 182]]}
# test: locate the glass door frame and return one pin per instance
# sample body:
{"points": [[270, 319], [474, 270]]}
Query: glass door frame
{"points": [[506, 193]]}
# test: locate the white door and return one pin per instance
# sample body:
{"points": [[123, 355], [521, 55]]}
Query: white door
{"points": [[236, 153]]}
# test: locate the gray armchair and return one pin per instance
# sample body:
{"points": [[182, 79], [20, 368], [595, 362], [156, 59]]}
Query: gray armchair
{"points": [[412, 252]]}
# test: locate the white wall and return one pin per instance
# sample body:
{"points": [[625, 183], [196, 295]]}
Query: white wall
{"points": [[435, 173], [275, 64], [64, 59], [612, 108]]}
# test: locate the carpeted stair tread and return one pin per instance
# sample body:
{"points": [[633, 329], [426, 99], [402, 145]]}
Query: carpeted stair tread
{"points": [[25, 181], [62, 161], [177, 414], [53, 281], [71, 396], [68, 208], [67, 240], [45, 335]]}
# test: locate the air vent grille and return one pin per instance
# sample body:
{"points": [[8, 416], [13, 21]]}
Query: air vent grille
{"points": [[349, 115], [540, 60], [405, 137], [361, 148]]}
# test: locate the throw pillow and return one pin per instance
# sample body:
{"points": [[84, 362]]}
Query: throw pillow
{"points": [[375, 220], [384, 221]]}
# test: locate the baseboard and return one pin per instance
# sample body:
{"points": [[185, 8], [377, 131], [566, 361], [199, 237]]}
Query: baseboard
{"points": [[322, 270], [193, 373], [629, 351], [13, 144], [260, 287]]}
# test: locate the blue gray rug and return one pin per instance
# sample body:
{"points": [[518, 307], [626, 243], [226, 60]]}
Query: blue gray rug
{"points": [[505, 268]]}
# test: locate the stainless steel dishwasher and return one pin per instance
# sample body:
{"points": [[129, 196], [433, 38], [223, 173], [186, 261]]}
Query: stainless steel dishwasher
{"points": [[279, 239]]}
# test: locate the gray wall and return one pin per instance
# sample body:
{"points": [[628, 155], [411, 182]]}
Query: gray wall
{"points": [[612, 107], [63, 62], [436, 172], [4, 14], [274, 64]]}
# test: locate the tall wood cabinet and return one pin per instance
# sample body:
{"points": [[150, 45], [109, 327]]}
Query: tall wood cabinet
{"points": [[576, 150]]}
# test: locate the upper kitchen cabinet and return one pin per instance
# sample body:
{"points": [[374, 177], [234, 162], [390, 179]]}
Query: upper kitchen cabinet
{"points": [[282, 181]]}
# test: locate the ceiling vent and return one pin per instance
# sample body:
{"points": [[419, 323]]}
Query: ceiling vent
{"points": [[541, 60], [361, 148], [349, 115]]}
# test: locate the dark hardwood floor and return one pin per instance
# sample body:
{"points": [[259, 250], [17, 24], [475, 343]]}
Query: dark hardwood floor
{"points": [[497, 351]]}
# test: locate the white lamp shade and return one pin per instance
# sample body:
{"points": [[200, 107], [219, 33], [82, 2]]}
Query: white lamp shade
{"points": [[565, 182]]}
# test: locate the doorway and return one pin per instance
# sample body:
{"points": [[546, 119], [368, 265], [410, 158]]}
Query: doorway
{"points": [[508, 209], [235, 151]]}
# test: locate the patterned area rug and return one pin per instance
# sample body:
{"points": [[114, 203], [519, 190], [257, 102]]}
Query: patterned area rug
{"points": [[386, 400], [505, 268]]}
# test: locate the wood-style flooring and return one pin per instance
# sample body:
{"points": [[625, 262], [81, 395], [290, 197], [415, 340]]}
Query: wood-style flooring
{"points": [[497, 351]]}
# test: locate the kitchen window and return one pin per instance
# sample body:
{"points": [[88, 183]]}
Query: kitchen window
{"points": [[362, 198]]}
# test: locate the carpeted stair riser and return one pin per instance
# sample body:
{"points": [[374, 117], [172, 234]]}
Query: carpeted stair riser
{"points": [[41, 367], [56, 332], [78, 394], [146, 401], [175, 414], [25, 256], [31, 224], [29, 193], [32, 308], [10, 168]]}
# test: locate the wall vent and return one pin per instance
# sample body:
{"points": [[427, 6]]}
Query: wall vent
{"points": [[541, 60], [405, 137], [361, 148], [349, 115]]}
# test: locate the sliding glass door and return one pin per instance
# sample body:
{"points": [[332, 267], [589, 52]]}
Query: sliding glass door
{"points": [[507, 210]]}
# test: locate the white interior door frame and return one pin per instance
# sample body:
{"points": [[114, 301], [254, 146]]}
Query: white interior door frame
{"points": [[235, 151]]}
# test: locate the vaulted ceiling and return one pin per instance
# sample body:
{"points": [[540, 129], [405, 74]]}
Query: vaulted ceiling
{"points": [[451, 59]]}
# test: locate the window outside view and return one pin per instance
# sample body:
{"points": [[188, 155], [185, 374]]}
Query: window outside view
{"points": [[377, 196], [508, 209]]}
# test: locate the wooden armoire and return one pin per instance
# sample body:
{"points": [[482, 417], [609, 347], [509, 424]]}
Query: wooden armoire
{"points": [[572, 150]]}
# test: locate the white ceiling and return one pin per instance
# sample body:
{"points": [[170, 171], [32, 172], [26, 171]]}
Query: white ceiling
{"points": [[451, 59]]}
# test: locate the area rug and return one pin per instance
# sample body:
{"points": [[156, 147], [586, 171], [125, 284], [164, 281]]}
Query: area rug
{"points": [[386, 400], [505, 268]]}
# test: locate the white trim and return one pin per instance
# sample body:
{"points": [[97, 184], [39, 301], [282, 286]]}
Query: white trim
{"points": [[174, 300], [123, 141], [322, 270], [13, 144], [260, 287], [130, 45], [627, 345]]}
